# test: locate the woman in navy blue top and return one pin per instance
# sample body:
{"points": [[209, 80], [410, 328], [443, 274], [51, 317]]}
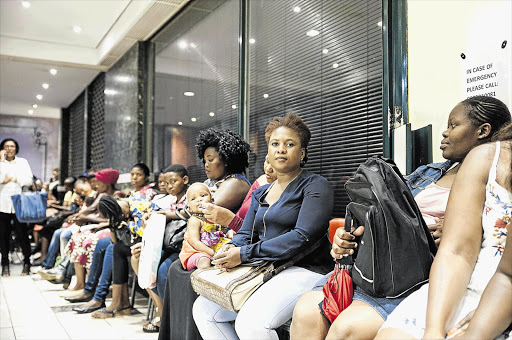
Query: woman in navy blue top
{"points": [[286, 218]]}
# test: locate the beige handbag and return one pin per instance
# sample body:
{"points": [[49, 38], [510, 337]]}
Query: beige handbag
{"points": [[231, 289]]}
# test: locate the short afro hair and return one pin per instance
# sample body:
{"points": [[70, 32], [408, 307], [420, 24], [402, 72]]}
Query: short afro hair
{"points": [[177, 168], [232, 148], [295, 123]]}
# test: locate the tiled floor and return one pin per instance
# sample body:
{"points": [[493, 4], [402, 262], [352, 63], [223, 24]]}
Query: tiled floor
{"points": [[31, 308]]}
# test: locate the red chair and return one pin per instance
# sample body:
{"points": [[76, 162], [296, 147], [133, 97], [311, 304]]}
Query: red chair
{"points": [[334, 224]]}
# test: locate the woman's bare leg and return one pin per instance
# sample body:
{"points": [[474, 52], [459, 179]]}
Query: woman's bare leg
{"points": [[357, 321], [307, 322]]}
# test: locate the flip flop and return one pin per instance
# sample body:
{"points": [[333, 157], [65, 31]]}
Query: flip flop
{"points": [[151, 327], [105, 314]]}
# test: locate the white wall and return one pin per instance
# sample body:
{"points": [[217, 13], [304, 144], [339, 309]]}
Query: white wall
{"points": [[438, 32]]}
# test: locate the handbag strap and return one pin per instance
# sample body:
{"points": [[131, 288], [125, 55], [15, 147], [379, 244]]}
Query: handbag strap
{"points": [[298, 257]]}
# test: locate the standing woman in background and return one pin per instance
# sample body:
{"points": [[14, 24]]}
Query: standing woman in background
{"points": [[15, 173]]}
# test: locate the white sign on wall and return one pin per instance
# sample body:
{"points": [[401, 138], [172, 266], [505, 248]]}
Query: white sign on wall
{"points": [[486, 70]]}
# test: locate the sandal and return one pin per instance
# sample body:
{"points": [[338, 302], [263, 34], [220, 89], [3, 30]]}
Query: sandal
{"points": [[152, 327], [105, 314]]}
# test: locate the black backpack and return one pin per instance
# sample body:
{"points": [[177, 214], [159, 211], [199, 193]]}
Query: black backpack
{"points": [[394, 253]]}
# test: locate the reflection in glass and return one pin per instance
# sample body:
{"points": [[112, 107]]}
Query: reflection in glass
{"points": [[196, 82]]}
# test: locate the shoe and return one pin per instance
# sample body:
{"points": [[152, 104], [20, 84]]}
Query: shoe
{"points": [[105, 314], [84, 297], [56, 273], [5, 271], [152, 327], [81, 310], [26, 269]]}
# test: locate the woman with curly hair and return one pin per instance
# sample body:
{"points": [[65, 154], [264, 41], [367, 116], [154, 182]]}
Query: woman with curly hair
{"points": [[225, 157]]}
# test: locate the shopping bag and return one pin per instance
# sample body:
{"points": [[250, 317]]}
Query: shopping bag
{"points": [[151, 251], [30, 207]]}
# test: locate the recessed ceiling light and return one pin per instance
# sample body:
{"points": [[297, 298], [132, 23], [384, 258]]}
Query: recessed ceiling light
{"points": [[45, 86], [30, 112], [265, 95], [335, 65], [379, 24], [296, 9], [128, 118], [110, 92], [53, 71], [212, 114], [189, 93], [25, 4], [77, 29], [252, 41], [180, 123], [193, 45], [182, 44], [325, 51], [39, 97], [312, 33], [234, 106], [123, 79], [193, 119], [34, 106]]}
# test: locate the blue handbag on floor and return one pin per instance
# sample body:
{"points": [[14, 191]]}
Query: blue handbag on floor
{"points": [[30, 207]]}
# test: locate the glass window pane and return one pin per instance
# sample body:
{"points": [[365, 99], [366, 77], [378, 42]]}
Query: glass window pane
{"points": [[196, 82], [322, 60]]}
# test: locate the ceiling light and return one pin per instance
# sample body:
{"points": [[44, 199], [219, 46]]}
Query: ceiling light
{"points": [[189, 93], [53, 71], [193, 119], [325, 51], [296, 9], [234, 106], [379, 24], [180, 123], [335, 65], [25, 4], [212, 114], [193, 45], [34, 106], [77, 29], [252, 41], [110, 92], [312, 33], [123, 79], [265, 95], [39, 97], [182, 44], [30, 112], [171, 98], [45, 86]]}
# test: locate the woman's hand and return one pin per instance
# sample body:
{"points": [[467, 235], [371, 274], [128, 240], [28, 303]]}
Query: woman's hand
{"points": [[342, 244], [217, 214], [433, 335], [436, 230], [227, 259], [136, 249], [2, 155]]}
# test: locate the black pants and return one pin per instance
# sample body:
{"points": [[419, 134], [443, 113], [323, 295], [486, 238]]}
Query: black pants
{"points": [[120, 267], [176, 322], [5, 237]]}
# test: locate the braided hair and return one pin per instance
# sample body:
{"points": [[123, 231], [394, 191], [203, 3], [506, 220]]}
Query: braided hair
{"points": [[232, 148], [485, 109], [109, 208]]}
